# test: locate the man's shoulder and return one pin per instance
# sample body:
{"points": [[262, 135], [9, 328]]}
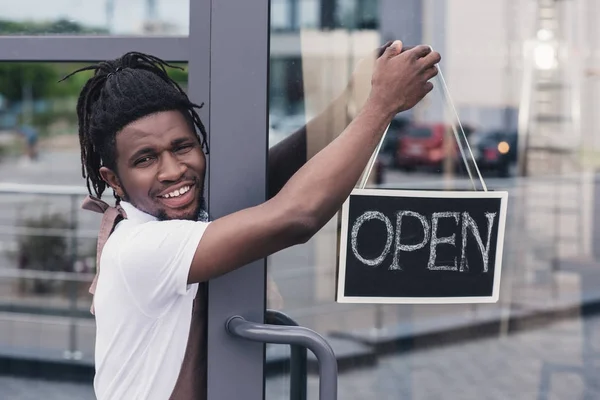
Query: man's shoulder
{"points": [[147, 238], [128, 227]]}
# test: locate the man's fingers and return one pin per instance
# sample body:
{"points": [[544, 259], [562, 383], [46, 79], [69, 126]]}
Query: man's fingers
{"points": [[379, 52], [421, 51], [432, 58], [394, 49], [430, 72], [428, 87]]}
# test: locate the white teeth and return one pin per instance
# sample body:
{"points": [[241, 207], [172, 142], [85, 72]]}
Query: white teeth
{"points": [[177, 192]]}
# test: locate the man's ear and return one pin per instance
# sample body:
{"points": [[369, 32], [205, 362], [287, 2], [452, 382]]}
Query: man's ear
{"points": [[111, 178]]}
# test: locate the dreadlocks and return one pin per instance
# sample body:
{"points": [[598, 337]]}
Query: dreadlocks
{"points": [[120, 92]]}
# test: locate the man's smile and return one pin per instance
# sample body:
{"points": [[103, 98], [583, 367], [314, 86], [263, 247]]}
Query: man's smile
{"points": [[179, 196]]}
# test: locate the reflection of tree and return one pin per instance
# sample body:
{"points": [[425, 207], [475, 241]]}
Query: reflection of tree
{"points": [[61, 26], [42, 78], [31, 89], [39, 80], [16, 76]]}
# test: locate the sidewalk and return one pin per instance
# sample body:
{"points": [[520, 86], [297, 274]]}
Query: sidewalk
{"points": [[574, 298]]}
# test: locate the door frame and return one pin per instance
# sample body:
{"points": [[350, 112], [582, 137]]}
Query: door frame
{"points": [[227, 51], [238, 106]]}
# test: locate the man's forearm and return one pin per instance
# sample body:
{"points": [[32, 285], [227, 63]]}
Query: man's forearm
{"points": [[291, 154], [327, 179]]}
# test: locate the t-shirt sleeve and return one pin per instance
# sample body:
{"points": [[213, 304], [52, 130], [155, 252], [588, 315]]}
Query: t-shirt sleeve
{"points": [[155, 260]]}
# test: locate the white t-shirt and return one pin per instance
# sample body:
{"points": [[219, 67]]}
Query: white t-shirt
{"points": [[143, 306]]}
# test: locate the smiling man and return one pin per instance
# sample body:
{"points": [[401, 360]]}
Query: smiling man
{"points": [[141, 137], [171, 190]]}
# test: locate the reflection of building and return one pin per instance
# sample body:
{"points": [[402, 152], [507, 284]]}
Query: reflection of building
{"points": [[319, 30], [151, 24], [481, 43], [150, 27], [288, 19]]}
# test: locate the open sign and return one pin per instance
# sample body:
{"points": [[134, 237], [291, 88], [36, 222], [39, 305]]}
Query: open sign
{"points": [[421, 247]]}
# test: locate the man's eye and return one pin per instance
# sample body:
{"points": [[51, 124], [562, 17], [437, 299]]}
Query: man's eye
{"points": [[184, 148], [142, 161]]}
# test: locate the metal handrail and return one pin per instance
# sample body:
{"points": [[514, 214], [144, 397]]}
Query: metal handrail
{"points": [[59, 190], [48, 232], [75, 234], [293, 335], [46, 275], [298, 357]]}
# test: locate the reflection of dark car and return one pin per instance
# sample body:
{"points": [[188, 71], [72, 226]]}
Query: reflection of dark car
{"points": [[389, 148], [386, 158], [495, 150]]}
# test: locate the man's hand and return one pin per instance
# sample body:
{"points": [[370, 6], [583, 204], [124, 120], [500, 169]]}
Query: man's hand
{"points": [[401, 78]]}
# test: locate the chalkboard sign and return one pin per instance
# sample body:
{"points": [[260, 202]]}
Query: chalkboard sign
{"points": [[414, 247]]}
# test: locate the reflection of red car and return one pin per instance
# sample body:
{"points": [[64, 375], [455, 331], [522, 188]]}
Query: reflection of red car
{"points": [[422, 145]]}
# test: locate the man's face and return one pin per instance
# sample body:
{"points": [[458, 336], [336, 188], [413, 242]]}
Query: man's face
{"points": [[160, 166]]}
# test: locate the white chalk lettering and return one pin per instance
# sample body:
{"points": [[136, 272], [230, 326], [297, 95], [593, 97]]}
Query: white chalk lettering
{"points": [[367, 216], [408, 247], [435, 241], [469, 223]]}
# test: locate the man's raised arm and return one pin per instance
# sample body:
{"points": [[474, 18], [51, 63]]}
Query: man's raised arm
{"points": [[289, 155], [314, 194]]}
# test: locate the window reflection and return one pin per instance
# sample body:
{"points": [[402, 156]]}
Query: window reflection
{"points": [[357, 14], [47, 243], [523, 78], [281, 14], [295, 14], [91, 17], [309, 13]]}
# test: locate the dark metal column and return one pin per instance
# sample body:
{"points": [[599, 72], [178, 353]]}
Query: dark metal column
{"points": [[237, 111]]}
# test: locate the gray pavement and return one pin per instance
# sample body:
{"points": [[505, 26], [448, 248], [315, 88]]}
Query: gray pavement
{"points": [[499, 368], [12, 388]]}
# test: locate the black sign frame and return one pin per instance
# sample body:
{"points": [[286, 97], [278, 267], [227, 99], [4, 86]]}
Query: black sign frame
{"points": [[344, 296]]}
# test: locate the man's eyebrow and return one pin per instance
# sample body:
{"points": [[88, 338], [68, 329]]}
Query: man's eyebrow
{"points": [[178, 141]]}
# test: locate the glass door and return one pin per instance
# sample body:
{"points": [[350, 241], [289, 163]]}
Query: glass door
{"points": [[45, 327], [525, 82]]}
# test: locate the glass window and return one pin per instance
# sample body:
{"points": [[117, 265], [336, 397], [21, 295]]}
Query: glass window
{"points": [[524, 78], [346, 11], [309, 13], [294, 14], [367, 17], [357, 14], [91, 17], [47, 242], [281, 14]]}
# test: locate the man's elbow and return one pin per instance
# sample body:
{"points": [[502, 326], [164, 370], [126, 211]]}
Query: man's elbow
{"points": [[304, 228], [302, 221]]}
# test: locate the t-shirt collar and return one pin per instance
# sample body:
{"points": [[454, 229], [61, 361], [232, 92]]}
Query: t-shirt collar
{"points": [[135, 214]]}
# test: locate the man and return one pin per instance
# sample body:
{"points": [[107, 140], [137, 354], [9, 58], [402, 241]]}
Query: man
{"points": [[31, 137], [138, 137]]}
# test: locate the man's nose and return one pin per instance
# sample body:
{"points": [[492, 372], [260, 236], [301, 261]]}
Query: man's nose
{"points": [[171, 169]]}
